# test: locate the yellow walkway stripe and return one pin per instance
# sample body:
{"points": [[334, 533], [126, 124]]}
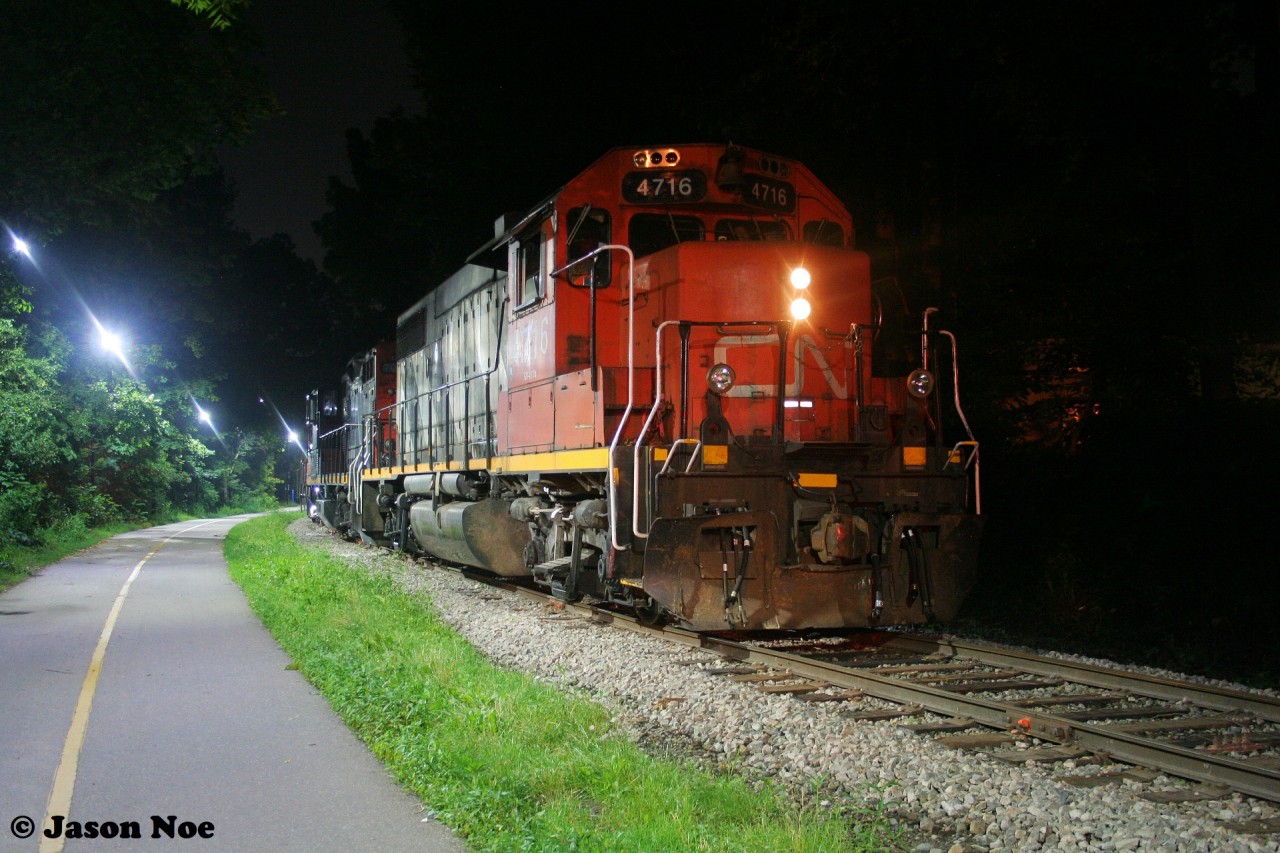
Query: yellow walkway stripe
{"points": [[64, 781]]}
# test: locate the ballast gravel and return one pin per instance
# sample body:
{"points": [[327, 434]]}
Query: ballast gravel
{"points": [[944, 800]]}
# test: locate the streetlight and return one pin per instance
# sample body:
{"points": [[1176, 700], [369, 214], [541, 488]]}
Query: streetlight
{"points": [[112, 343], [22, 247]]}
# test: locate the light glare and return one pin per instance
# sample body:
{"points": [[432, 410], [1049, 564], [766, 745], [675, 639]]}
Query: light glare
{"points": [[800, 308], [22, 247], [112, 343], [800, 278]]}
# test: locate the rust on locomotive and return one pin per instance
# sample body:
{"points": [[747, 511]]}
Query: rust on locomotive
{"points": [[665, 386]]}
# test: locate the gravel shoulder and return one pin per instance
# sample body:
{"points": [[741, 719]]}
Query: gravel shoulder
{"points": [[943, 800]]}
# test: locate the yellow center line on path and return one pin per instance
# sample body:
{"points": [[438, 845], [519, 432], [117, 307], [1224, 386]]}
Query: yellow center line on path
{"points": [[64, 781]]}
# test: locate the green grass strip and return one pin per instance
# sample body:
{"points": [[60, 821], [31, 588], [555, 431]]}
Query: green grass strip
{"points": [[509, 763]]}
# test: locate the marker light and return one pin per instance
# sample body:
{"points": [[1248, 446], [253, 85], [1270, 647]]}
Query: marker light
{"points": [[720, 378], [920, 383], [800, 278], [800, 308]]}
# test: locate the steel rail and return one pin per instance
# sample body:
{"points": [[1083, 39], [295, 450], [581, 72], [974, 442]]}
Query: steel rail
{"points": [[1150, 686], [1237, 775], [1179, 761]]}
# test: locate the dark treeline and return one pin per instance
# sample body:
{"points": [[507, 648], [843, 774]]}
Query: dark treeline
{"points": [[109, 174]]}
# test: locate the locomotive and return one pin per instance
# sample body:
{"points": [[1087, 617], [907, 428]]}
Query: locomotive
{"points": [[665, 386]]}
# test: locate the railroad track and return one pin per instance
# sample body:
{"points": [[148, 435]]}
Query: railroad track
{"points": [[1228, 740], [996, 700]]}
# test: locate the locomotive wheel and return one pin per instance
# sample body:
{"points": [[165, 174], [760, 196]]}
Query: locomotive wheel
{"points": [[650, 613]]}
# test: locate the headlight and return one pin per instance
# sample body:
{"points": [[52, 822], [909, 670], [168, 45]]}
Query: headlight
{"points": [[800, 278], [720, 378], [920, 383], [800, 308]]}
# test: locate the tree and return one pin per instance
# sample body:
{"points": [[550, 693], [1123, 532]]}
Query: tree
{"points": [[93, 133], [110, 167], [221, 13]]}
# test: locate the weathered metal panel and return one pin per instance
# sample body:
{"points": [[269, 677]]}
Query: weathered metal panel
{"points": [[531, 350], [575, 412], [448, 389], [531, 418]]}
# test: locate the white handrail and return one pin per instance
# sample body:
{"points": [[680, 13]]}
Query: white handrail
{"points": [[973, 458], [631, 383], [653, 413], [671, 454]]}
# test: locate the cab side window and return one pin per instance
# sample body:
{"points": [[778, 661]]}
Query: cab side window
{"points": [[529, 271], [589, 230]]}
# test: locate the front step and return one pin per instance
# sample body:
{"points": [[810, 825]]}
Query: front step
{"points": [[554, 573], [549, 567]]}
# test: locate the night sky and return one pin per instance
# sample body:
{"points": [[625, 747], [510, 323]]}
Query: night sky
{"points": [[333, 66]]}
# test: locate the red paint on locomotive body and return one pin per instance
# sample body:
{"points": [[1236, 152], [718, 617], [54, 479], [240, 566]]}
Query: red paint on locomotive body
{"points": [[615, 397]]}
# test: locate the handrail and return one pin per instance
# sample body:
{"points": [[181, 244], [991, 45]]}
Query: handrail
{"points": [[648, 422], [631, 374], [697, 442], [973, 458], [355, 494], [400, 406], [334, 431], [658, 399], [977, 471]]}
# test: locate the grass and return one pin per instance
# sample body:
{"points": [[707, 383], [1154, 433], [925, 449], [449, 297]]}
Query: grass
{"points": [[508, 763], [69, 535], [19, 562]]}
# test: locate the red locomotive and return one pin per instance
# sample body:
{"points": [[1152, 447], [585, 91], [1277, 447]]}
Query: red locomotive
{"points": [[657, 388]]}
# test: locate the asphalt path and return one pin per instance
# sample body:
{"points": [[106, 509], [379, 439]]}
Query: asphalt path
{"points": [[137, 687]]}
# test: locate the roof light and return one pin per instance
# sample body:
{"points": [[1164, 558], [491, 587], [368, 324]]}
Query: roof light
{"points": [[652, 158]]}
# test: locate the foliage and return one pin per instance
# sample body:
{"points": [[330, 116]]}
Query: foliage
{"points": [[110, 173], [96, 139], [397, 227], [507, 762], [83, 442], [64, 537], [221, 13]]}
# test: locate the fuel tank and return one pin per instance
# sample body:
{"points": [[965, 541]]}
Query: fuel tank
{"points": [[474, 533]]}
